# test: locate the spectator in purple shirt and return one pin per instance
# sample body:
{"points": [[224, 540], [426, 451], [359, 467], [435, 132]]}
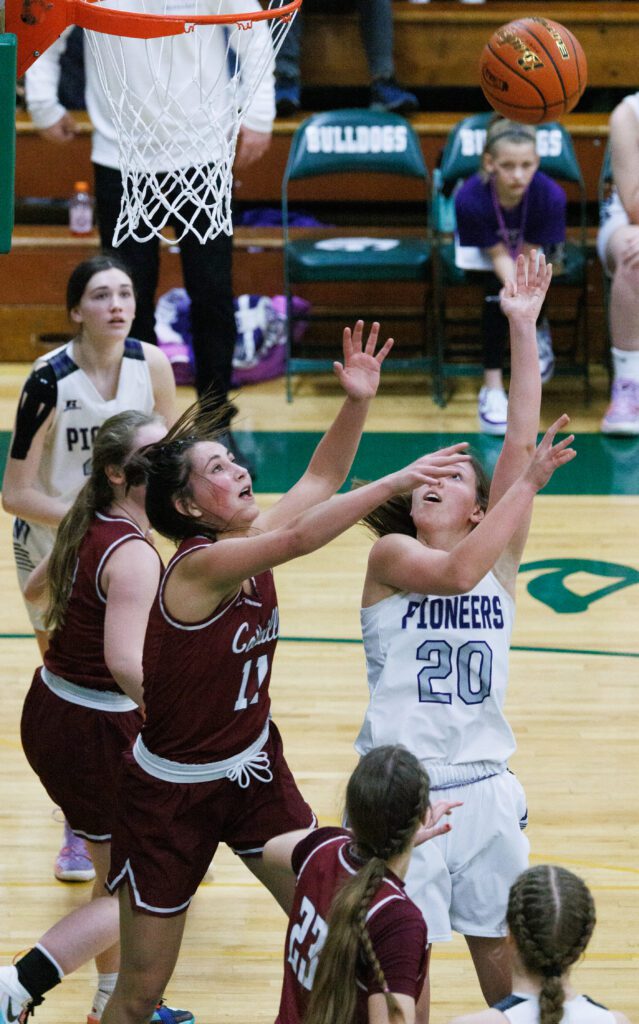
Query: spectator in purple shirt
{"points": [[508, 207]]}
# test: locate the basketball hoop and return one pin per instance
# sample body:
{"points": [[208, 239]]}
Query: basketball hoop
{"points": [[178, 87]]}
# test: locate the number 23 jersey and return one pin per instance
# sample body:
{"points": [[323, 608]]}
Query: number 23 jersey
{"points": [[437, 674]]}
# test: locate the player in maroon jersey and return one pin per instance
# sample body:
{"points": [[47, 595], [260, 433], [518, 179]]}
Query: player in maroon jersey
{"points": [[208, 766], [355, 950], [83, 708]]}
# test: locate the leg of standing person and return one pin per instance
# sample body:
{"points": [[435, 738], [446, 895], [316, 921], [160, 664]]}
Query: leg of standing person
{"points": [[90, 931], [622, 415], [493, 403], [493, 964], [376, 28], [150, 948], [207, 268], [142, 258], [287, 70]]}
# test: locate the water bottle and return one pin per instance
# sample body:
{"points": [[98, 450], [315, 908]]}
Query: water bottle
{"points": [[81, 209]]}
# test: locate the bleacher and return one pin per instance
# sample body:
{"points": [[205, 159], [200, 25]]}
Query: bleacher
{"points": [[437, 47]]}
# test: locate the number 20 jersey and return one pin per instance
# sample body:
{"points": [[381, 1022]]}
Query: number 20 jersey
{"points": [[437, 674]]}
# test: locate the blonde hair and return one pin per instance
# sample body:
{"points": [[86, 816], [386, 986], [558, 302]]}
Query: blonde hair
{"points": [[500, 129]]}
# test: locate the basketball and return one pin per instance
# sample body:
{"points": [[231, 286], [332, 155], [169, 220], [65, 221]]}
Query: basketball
{"points": [[533, 70]]}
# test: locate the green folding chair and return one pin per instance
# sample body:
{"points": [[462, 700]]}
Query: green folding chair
{"points": [[460, 159], [362, 142]]}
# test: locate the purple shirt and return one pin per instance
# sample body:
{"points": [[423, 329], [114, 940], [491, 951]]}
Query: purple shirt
{"points": [[545, 223]]}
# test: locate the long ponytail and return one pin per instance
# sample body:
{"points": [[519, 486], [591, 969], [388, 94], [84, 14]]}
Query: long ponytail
{"points": [[386, 800], [113, 443]]}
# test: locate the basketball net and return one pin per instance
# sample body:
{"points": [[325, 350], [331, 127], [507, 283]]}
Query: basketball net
{"points": [[177, 103]]}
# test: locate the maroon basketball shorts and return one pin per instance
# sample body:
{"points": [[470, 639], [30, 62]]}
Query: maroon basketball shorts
{"points": [[166, 833], [77, 753]]}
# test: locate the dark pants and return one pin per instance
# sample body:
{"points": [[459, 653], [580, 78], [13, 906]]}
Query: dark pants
{"points": [[207, 272], [494, 325]]}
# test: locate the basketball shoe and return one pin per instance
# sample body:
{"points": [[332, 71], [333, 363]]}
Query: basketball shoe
{"points": [[493, 411], [386, 94], [622, 415], [163, 1014], [73, 863], [15, 1002]]}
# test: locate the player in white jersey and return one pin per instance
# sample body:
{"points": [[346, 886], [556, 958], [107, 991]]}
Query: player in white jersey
{"points": [[438, 606], [618, 249], [66, 398], [551, 916]]}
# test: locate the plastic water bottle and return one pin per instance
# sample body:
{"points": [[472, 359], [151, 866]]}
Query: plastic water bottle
{"points": [[81, 209]]}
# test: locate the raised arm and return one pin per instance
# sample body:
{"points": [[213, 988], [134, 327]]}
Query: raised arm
{"points": [[217, 569], [404, 564], [332, 459]]}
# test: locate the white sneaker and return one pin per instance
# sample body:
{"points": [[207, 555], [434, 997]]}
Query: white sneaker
{"points": [[15, 1003], [622, 415], [493, 411], [544, 350]]}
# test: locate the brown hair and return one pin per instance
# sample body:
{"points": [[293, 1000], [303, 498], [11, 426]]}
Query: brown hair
{"points": [[111, 447], [394, 516], [551, 916], [167, 465], [386, 800]]}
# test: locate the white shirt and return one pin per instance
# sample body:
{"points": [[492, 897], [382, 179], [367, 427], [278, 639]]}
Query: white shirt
{"points": [[437, 674], [194, 81]]}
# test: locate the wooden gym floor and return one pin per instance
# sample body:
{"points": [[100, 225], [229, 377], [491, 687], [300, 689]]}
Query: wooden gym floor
{"points": [[571, 701]]}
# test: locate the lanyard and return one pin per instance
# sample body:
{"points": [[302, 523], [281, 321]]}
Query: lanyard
{"points": [[503, 231]]}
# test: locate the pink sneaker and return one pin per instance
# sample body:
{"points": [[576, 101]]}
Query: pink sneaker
{"points": [[622, 415], [73, 863]]}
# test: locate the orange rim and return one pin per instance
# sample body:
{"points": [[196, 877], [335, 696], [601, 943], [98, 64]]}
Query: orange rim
{"points": [[88, 14]]}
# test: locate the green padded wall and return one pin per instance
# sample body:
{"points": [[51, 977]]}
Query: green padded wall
{"points": [[8, 56]]}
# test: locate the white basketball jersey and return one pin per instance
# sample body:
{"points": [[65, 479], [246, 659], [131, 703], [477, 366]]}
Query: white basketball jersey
{"points": [[579, 1010], [80, 411], [437, 673]]}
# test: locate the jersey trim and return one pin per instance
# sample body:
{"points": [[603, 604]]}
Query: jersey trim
{"points": [[203, 623], [509, 1002], [133, 349]]}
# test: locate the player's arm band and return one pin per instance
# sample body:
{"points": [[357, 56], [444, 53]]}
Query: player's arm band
{"points": [[38, 398]]}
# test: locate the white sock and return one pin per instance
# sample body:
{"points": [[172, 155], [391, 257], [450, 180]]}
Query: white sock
{"points": [[106, 984], [625, 364]]}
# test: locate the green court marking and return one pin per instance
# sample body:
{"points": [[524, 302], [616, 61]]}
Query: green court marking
{"points": [[604, 465], [355, 640]]}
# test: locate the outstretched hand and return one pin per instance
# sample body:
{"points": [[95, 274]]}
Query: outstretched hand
{"points": [[428, 469], [359, 373], [431, 826], [523, 295], [550, 456]]}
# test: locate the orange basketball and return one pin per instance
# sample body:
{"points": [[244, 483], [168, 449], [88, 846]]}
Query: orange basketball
{"points": [[533, 70]]}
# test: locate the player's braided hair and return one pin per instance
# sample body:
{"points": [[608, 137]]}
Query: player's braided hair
{"points": [[551, 916], [394, 516], [166, 466], [111, 447], [386, 800]]}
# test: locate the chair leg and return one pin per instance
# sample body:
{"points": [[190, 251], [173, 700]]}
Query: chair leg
{"points": [[289, 343]]}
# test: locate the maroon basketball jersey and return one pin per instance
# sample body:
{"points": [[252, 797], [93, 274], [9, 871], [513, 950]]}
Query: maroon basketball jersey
{"points": [[76, 651], [322, 861], [206, 683]]}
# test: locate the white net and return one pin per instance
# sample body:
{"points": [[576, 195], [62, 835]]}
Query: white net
{"points": [[177, 104]]}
